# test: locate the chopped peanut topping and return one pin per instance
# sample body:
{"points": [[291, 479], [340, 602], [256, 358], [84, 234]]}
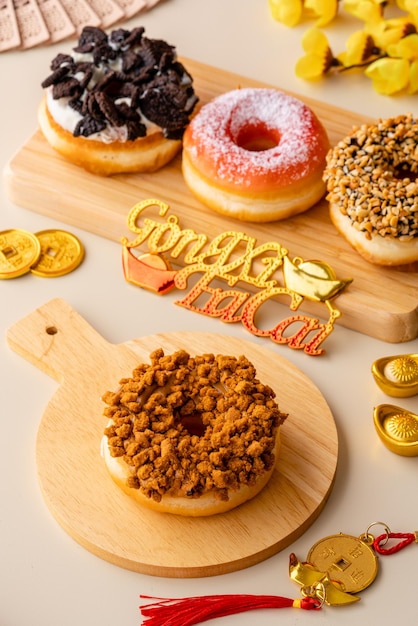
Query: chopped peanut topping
{"points": [[372, 176]]}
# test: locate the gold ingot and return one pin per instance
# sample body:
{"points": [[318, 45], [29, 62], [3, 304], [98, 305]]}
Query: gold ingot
{"points": [[317, 584], [149, 271], [19, 250], [61, 253], [397, 429], [314, 280], [397, 375]]}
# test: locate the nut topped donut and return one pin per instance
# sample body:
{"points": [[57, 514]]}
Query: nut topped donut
{"points": [[255, 154], [371, 178], [117, 103], [192, 436]]}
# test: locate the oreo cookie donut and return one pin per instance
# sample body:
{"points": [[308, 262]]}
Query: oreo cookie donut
{"points": [[117, 103], [192, 435]]}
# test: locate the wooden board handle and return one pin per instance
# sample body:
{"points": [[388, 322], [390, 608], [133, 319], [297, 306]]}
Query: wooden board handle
{"points": [[99, 516], [56, 339]]}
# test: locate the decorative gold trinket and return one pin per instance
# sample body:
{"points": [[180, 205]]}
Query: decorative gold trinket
{"points": [[231, 277], [149, 271], [314, 280], [397, 375], [317, 584], [397, 428], [350, 561], [337, 567], [19, 250], [61, 253]]}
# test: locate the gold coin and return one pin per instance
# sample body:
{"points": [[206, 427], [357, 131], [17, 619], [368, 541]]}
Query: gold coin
{"points": [[19, 250], [61, 253], [347, 560]]}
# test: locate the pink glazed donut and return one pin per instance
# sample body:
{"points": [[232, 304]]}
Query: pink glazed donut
{"points": [[255, 154]]}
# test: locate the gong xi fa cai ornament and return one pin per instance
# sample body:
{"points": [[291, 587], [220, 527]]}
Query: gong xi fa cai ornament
{"points": [[337, 568], [219, 265]]}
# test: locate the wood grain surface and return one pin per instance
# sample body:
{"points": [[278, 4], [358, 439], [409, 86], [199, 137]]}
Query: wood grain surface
{"points": [[381, 302], [86, 502]]}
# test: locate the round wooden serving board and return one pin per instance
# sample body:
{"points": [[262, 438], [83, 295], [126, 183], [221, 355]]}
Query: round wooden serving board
{"points": [[96, 513]]}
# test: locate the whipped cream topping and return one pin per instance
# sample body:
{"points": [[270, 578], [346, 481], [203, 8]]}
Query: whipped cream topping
{"points": [[68, 118]]}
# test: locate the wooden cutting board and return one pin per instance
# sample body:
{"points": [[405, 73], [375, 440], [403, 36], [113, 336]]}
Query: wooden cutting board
{"points": [[380, 302], [86, 502]]}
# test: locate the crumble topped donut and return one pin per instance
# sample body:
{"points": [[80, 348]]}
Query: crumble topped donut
{"points": [[255, 154], [117, 103], [372, 185], [192, 436]]}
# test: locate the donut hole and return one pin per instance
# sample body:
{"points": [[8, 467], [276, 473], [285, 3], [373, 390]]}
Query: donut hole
{"points": [[257, 137], [193, 423], [404, 170]]}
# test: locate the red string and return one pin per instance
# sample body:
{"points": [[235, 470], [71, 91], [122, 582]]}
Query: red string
{"points": [[382, 540], [198, 609]]}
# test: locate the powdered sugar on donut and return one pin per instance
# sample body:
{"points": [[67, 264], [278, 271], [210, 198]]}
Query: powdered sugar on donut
{"points": [[215, 137]]}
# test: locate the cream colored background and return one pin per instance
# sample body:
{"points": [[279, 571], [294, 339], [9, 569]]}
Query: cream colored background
{"points": [[46, 578]]}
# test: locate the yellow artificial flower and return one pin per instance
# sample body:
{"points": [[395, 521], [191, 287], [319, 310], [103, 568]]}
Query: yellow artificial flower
{"points": [[369, 11], [410, 7], [406, 48], [325, 10], [289, 12], [388, 48], [318, 58], [399, 70], [413, 77], [360, 48], [387, 32], [389, 76]]}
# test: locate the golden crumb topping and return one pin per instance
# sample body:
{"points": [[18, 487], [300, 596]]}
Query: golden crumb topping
{"points": [[188, 425]]}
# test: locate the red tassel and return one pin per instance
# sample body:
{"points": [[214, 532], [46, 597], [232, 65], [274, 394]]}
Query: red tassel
{"points": [[198, 609]]}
